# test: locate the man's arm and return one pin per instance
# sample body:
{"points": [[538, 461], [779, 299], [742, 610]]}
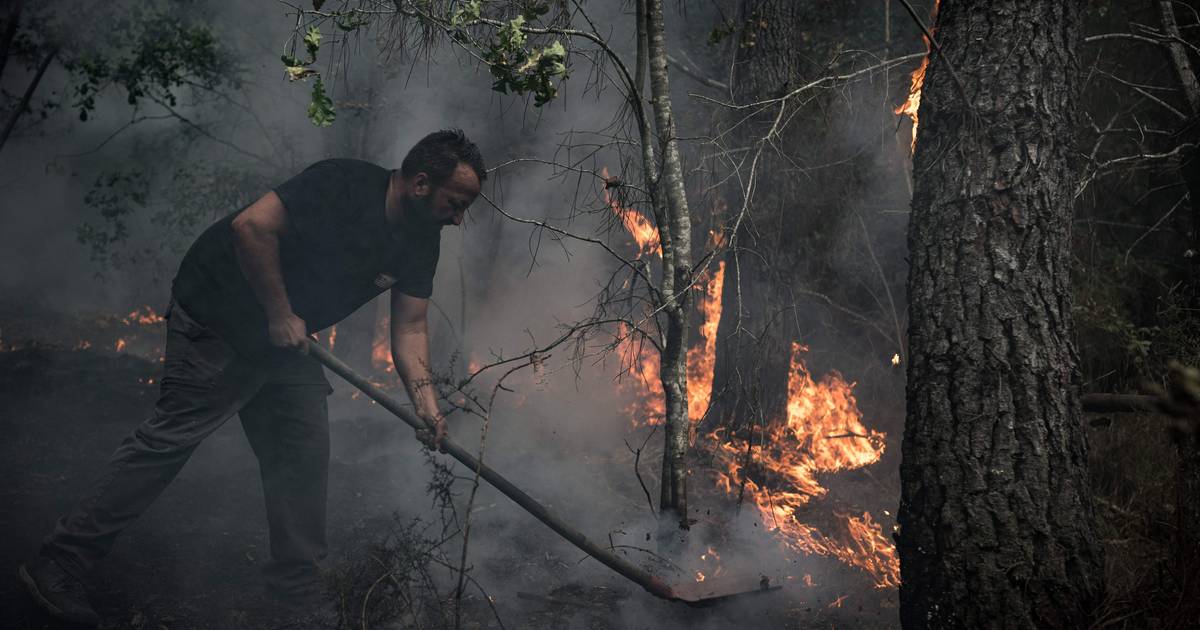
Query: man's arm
{"points": [[256, 233], [410, 354]]}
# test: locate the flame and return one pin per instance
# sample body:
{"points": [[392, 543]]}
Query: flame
{"points": [[121, 344], [639, 227], [702, 358], [332, 337], [917, 82], [381, 345], [473, 365], [913, 103], [823, 434], [640, 362]]}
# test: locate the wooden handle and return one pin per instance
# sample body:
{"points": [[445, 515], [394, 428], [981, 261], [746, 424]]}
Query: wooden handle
{"points": [[650, 582]]}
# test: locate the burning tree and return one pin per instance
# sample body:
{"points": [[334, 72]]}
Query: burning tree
{"points": [[996, 512]]}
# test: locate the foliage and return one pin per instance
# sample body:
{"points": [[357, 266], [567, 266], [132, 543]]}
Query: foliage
{"points": [[115, 195], [149, 57], [191, 198], [521, 69], [517, 65], [320, 109]]}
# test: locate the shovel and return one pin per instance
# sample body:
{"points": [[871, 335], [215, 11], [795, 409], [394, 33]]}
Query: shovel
{"points": [[700, 594]]}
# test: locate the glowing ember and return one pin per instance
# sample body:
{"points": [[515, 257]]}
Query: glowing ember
{"points": [[332, 337], [896, 359], [143, 316], [121, 345], [639, 227]]}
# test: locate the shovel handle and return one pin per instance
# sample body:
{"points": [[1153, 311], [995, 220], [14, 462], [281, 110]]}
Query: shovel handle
{"points": [[652, 583]]}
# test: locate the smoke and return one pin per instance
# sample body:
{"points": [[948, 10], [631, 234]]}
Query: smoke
{"points": [[561, 433]]}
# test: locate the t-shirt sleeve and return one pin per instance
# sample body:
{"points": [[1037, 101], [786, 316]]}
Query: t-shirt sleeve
{"points": [[316, 200], [416, 278]]}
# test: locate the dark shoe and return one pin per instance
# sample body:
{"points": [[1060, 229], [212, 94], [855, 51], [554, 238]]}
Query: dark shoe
{"points": [[58, 592]]}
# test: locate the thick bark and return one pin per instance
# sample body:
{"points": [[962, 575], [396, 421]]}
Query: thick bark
{"points": [[996, 514], [677, 264]]}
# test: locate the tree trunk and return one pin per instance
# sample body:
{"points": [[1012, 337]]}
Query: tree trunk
{"points": [[996, 514], [677, 266], [754, 351], [1188, 512]]}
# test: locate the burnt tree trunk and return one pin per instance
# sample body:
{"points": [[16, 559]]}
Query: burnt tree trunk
{"points": [[996, 514], [754, 352]]}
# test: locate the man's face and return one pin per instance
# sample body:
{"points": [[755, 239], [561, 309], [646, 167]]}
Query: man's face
{"points": [[447, 204]]}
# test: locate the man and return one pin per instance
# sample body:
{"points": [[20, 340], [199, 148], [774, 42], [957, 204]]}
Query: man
{"points": [[248, 293]]}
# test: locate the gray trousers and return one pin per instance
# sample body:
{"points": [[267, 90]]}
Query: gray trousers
{"points": [[204, 383]]}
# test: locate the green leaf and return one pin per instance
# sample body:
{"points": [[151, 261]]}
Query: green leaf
{"points": [[469, 12], [312, 41], [320, 110]]}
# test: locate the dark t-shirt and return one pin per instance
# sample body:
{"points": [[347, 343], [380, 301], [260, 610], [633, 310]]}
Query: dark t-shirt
{"points": [[338, 253]]}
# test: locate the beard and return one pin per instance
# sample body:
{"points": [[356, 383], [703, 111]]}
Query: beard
{"points": [[418, 212]]}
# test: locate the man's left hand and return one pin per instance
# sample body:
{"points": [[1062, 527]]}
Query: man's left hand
{"points": [[434, 433]]}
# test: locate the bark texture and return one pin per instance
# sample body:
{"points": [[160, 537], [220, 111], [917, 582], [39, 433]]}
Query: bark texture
{"points": [[754, 353], [677, 265], [996, 514]]}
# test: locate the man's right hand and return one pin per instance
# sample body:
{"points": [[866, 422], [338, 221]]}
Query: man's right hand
{"points": [[288, 331]]}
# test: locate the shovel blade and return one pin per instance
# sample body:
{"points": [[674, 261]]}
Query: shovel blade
{"points": [[721, 590]]}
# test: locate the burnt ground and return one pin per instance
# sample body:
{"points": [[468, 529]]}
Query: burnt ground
{"points": [[192, 560]]}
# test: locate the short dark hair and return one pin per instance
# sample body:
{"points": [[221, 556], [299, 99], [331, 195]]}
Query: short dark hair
{"points": [[439, 153]]}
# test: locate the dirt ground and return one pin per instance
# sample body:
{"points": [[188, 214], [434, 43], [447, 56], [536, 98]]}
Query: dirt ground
{"points": [[192, 561]]}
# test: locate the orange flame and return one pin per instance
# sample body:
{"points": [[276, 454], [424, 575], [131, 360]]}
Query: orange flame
{"points": [[702, 359], [639, 227], [381, 346], [913, 103], [823, 434]]}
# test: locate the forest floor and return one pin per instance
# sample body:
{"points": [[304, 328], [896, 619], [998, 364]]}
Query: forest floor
{"points": [[192, 561]]}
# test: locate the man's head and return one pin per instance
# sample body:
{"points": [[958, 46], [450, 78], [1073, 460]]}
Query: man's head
{"points": [[442, 176]]}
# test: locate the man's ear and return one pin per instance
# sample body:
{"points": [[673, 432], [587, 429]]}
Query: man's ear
{"points": [[422, 185]]}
